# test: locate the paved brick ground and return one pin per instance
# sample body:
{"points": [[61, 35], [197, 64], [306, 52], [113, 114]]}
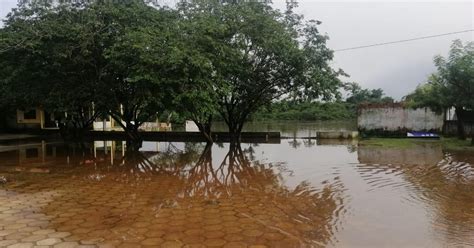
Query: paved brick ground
{"points": [[86, 207]]}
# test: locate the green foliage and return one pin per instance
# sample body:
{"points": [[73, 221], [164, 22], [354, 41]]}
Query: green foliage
{"points": [[394, 142], [23, 71], [323, 110], [426, 95], [449, 144], [358, 95], [35, 69], [138, 62], [195, 69], [306, 111], [453, 144], [262, 55], [452, 85], [134, 61], [455, 76], [67, 57]]}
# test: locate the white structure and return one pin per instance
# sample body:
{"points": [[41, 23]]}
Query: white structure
{"points": [[103, 125], [396, 117], [110, 125], [191, 126]]}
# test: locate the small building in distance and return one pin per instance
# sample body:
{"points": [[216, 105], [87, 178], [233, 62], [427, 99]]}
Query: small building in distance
{"points": [[29, 119], [396, 119], [37, 119]]}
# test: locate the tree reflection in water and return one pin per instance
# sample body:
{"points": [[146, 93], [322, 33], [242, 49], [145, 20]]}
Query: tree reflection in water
{"points": [[186, 197], [304, 214]]}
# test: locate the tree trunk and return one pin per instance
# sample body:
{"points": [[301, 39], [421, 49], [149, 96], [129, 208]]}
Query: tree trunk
{"points": [[234, 132], [79, 129], [134, 140], [460, 123], [205, 129]]}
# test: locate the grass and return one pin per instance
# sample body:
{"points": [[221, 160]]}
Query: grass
{"points": [[457, 144], [392, 142], [447, 143]]}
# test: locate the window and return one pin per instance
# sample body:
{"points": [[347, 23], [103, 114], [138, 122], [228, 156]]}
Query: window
{"points": [[30, 115]]}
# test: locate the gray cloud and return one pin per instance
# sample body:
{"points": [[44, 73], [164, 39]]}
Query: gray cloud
{"points": [[396, 68]]}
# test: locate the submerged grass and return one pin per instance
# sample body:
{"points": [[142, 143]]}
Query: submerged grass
{"points": [[447, 143], [457, 144], [392, 142]]}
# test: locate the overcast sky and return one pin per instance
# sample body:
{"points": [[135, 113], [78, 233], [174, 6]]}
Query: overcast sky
{"points": [[396, 68]]}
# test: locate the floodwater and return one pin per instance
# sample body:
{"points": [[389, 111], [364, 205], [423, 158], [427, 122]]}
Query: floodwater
{"points": [[293, 128], [299, 193]]}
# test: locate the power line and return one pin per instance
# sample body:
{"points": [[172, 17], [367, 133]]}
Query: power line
{"points": [[400, 41]]}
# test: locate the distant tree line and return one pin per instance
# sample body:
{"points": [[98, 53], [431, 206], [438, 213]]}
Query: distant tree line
{"points": [[133, 61], [341, 108]]}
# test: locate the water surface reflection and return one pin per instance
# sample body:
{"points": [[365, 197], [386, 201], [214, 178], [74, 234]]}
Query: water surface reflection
{"points": [[176, 194], [300, 193], [443, 183]]}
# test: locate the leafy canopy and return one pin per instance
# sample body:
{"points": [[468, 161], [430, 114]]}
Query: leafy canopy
{"points": [[133, 60], [259, 54], [453, 83], [358, 95]]}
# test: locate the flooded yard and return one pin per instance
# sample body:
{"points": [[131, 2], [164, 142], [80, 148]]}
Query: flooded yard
{"points": [[299, 193]]}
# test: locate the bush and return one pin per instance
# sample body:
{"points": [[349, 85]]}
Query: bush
{"points": [[309, 111]]}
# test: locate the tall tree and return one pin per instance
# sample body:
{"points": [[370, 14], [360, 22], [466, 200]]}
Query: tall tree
{"points": [[72, 56], [452, 85], [455, 80], [47, 62], [21, 62], [140, 62], [261, 56], [196, 98]]}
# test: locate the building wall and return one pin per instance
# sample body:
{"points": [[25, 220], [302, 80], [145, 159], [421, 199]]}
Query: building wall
{"points": [[18, 120], [23, 119], [451, 128], [397, 118], [190, 126]]}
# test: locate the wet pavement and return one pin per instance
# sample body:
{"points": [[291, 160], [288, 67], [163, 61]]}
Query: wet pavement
{"points": [[300, 193]]}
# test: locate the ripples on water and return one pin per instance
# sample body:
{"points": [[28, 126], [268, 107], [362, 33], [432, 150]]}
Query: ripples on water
{"points": [[300, 193], [173, 196], [442, 182]]}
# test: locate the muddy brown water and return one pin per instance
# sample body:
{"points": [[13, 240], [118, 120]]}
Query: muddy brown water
{"points": [[300, 193]]}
